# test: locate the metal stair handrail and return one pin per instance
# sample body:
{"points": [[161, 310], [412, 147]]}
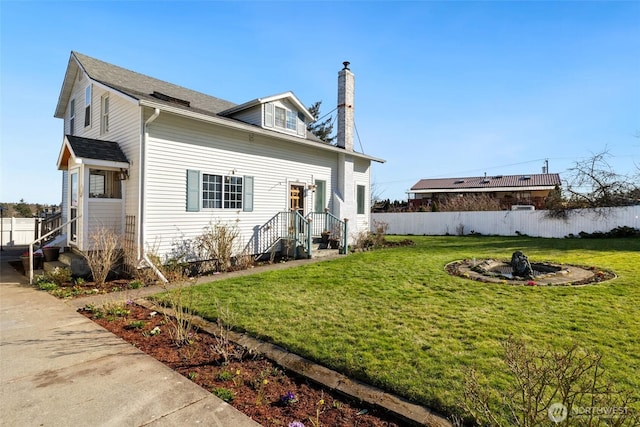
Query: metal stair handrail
{"points": [[287, 224], [42, 238], [322, 222]]}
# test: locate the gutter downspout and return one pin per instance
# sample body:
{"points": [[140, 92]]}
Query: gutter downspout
{"points": [[142, 180]]}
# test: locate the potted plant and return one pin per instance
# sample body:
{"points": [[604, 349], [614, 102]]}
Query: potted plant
{"points": [[334, 243], [51, 253], [324, 236], [37, 261]]}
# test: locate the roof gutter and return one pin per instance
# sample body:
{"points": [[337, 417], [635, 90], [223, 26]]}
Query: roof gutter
{"points": [[142, 181]]}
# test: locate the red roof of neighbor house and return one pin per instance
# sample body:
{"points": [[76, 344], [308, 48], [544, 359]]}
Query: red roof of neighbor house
{"points": [[548, 180]]}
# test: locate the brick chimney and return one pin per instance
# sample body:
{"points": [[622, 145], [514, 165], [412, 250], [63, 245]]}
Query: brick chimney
{"points": [[346, 88]]}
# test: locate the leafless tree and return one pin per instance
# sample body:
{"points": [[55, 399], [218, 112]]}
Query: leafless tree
{"points": [[592, 183]]}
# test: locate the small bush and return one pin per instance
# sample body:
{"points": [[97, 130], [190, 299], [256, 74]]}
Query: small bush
{"points": [[135, 324], [614, 233], [59, 276], [544, 379], [46, 286], [136, 284], [217, 243], [105, 253], [225, 376], [224, 394], [181, 327]]}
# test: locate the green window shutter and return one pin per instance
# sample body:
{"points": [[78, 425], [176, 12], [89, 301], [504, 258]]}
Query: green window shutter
{"points": [[268, 115], [247, 194], [193, 190], [360, 195]]}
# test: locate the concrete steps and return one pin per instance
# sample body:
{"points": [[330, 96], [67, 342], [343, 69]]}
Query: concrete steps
{"points": [[69, 259]]}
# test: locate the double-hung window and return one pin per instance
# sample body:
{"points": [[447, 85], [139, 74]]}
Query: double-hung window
{"points": [[280, 117], [104, 114], [291, 120], [210, 191], [72, 117], [233, 192]]}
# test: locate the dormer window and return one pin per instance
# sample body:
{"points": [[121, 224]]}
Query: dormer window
{"points": [[279, 117]]}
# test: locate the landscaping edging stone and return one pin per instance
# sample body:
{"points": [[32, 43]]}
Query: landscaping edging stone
{"points": [[401, 408]]}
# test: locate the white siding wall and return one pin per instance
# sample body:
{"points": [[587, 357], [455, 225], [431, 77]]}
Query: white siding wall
{"points": [[507, 223], [177, 144], [361, 176], [252, 115], [124, 128], [103, 213]]}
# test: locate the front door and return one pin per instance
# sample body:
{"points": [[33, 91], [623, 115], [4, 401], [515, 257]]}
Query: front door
{"points": [[297, 199], [296, 204]]}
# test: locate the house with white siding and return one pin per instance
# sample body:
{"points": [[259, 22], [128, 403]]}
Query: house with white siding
{"points": [[157, 163]]}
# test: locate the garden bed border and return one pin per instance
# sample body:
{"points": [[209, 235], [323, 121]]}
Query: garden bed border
{"points": [[399, 407]]}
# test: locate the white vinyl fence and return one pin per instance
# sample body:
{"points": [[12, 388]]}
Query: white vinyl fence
{"points": [[507, 223], [18, 231]]}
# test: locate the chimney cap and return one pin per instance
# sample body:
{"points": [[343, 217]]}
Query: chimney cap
{"points": [[346, 65]]}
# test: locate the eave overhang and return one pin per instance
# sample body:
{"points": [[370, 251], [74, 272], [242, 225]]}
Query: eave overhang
{"points": [[234, 124]]}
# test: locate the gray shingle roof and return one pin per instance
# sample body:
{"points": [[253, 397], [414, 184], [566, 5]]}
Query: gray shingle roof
{"points": [[87, 148], [496, 181], [140, 86]]}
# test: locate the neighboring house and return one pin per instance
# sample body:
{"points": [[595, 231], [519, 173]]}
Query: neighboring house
{"points": [[158, 163], [511, 190]]}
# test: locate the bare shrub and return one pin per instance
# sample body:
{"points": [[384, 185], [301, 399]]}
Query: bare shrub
{"points": [[543, 379], [468, 202], [217, 243], [223, 344], [366, 240], [181, 327], [104, 254], [362, 241], [379, 233], [175, 270]]}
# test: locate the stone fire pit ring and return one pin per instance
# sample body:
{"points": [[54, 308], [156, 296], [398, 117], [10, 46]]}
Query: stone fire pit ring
{"points": [[544, 273]]}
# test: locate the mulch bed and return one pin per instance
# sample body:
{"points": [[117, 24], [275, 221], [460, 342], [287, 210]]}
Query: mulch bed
{"points": [[251, 383]]}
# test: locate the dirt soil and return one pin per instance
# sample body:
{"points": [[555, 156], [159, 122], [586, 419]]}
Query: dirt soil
{"points": [[254, 385]]}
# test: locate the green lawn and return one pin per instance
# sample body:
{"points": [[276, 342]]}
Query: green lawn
{"points": [[395, 319]]}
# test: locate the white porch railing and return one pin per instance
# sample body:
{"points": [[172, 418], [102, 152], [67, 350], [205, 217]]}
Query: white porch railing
{"points": [[40, 239]]}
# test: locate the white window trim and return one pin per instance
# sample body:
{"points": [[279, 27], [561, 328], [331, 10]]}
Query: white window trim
{"points": [[224, 199], [88, 95], [72, 117], [296, 127], [104, 113]]}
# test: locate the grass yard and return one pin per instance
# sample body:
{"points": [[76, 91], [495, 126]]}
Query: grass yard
{"points": [[397, 320]]}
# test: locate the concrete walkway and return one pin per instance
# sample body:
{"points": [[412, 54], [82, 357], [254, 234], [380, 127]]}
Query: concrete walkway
{"points": [[58, 368]]}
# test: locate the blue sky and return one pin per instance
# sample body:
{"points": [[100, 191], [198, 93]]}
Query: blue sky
{"points": [[442, 88]]}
